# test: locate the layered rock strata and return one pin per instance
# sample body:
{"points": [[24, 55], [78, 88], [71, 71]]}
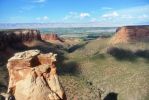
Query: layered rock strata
{"points": [[51, 37], [32, 76], [13, 36], [128, 34]]}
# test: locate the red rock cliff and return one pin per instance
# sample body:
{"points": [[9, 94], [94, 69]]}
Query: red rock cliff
{"points": [[8, 37], [51, 37], [33, 76], [131, 34]]}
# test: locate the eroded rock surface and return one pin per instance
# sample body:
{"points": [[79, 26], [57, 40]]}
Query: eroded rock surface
{"points": [[130, 34], [51, 37], [33, 76], [11, 37]]}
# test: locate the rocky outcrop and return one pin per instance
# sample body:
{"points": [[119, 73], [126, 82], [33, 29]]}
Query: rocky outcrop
{"points": [[32, 76], [51, 37], [13, 36], [128, 34]]}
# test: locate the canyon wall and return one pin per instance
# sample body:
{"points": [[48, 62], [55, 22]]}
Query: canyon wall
{"points": [[13, 36], [51, 37], [128, 34]]}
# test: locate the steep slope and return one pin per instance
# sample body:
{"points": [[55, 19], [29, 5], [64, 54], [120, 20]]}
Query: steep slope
{"points": [[11, 37], [121, 78], [131, 34], [16, 40]]}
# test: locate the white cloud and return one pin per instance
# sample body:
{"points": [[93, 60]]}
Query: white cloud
{"points": [[143, 16], [26, 8], [126, 16], [111, 14], [93, 20], [71, 15], [133, 15], [82, 15], [44, 18], [29, 7], [76, 15], [39, 1]]}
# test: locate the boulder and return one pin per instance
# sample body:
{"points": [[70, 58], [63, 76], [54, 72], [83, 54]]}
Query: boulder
{"points": [[33, 76], [128, 34]]}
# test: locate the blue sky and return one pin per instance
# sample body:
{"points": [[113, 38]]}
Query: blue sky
{"points": [[105, 12]]}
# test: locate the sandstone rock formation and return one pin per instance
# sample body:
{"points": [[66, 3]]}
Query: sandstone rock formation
{"points": [[33, 76], [51, 37], [13, 36], [59, 41], [131, 34]]}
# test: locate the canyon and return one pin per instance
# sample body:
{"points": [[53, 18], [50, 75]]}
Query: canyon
{"points": [[42, 66]]}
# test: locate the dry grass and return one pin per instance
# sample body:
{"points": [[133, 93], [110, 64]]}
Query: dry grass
{"points": [[129, 79]]}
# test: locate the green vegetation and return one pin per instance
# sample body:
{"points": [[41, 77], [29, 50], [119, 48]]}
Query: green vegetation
{"points": [[103, 68]]}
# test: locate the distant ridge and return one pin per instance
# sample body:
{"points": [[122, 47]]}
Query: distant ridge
{"points": [[50, 25]]}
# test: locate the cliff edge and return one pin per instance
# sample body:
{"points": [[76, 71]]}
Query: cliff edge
{"points": [[9, 38], [33, 76], [128, 34]]}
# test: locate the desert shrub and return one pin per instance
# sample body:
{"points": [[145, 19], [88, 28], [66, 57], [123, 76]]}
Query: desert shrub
{"points": [[142, 53], [70, 67]]}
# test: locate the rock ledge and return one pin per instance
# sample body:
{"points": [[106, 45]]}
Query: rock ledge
{"points": [[33, 76]]}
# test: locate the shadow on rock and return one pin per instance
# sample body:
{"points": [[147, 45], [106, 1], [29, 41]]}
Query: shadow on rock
{"points": [[3, 88], [111, 96], [2, 97]]}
